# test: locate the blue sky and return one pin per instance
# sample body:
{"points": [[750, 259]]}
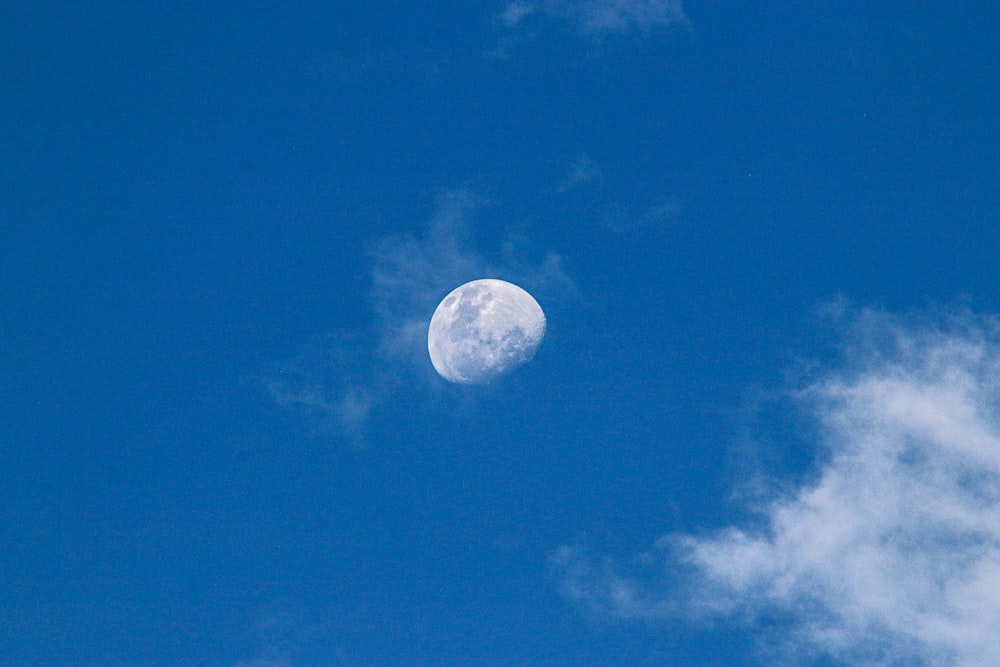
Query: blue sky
{"points": [[762, 428]]}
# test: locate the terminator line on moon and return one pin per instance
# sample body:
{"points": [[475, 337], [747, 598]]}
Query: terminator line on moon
{"points": [[484, 329]]}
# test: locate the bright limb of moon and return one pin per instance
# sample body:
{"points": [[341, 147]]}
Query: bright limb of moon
{"points": [[484, 329]]}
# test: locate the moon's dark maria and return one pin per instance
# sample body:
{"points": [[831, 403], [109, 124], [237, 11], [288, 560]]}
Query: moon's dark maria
{"points": [[484, 329]]}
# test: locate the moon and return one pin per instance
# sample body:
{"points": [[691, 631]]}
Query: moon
{"points": [[484, 329]]}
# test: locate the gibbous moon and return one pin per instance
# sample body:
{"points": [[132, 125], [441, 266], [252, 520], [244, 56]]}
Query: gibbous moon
{"points": [[484, 329]]}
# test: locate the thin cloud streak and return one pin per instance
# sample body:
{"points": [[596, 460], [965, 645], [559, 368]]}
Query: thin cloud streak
{"points": [[592, 17], [583, 170], [891, 555]]}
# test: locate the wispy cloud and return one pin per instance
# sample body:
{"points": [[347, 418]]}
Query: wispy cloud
{"points": [[592, 18], [268, 661], [341, 381], [627, 218], [329, 381], [891, 554], [586, 179], [583, 170]]}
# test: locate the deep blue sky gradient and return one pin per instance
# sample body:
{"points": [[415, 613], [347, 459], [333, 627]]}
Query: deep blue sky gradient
{"points": [[195, 201]]}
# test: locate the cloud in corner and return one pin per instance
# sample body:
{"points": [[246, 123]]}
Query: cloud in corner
{"points": [[890, 555]]}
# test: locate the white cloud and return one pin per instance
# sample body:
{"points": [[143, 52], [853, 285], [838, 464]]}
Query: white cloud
{"points": [[593, 17], [342, 380], [891, 554], [517, 11]]}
